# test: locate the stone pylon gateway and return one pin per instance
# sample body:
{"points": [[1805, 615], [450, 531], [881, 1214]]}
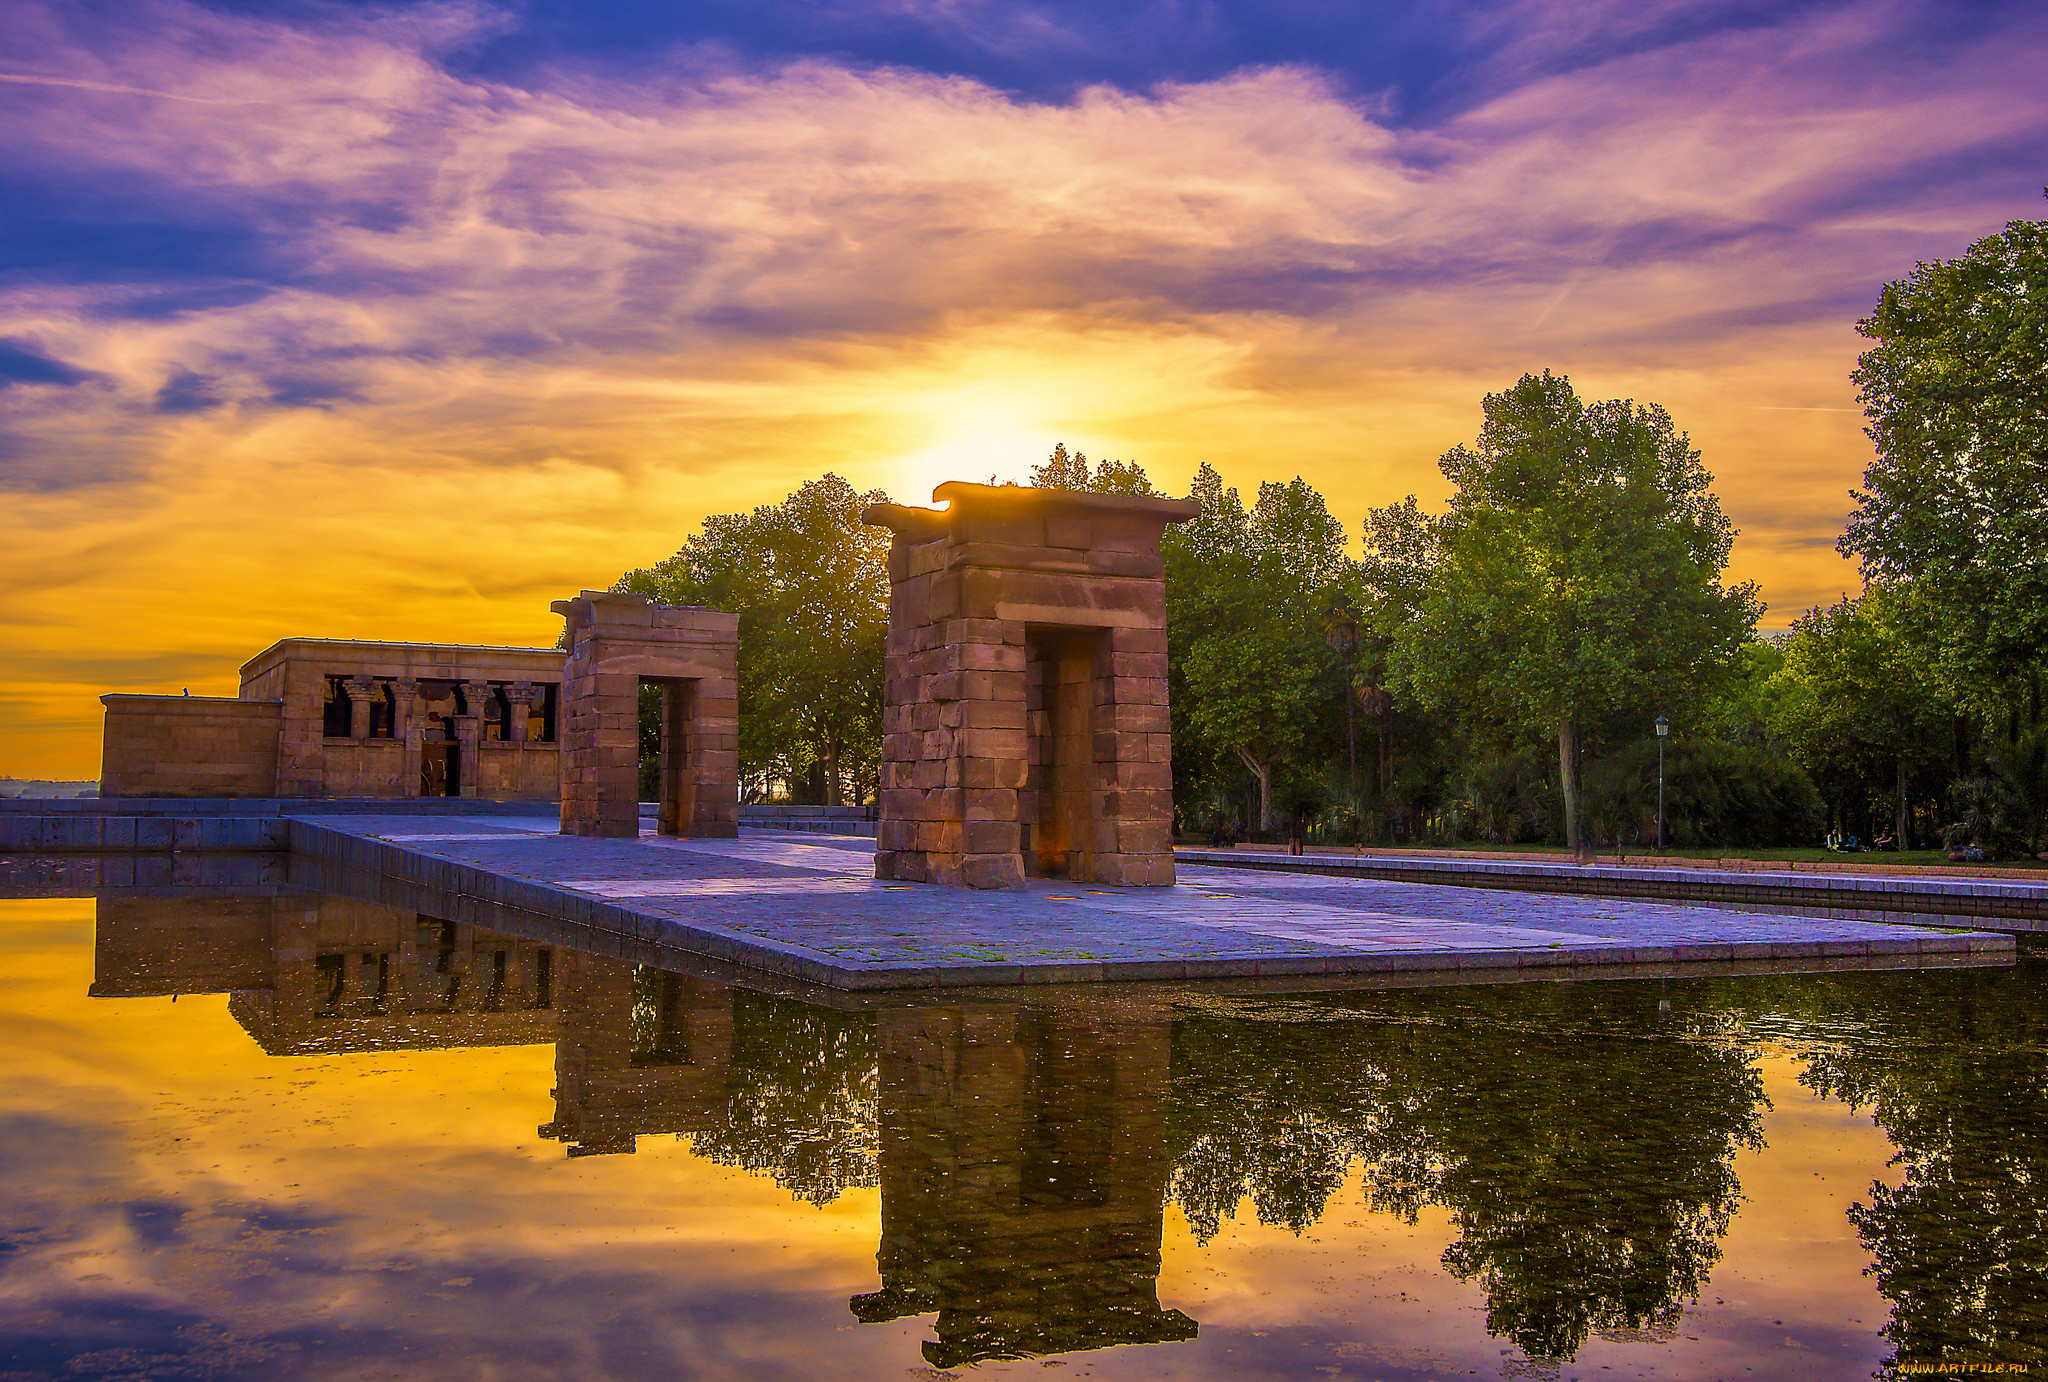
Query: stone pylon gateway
{"points": [[616, 642], [1025, 723]]}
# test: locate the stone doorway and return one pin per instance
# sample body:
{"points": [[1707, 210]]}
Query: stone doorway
{"points": [[440, 769], [1024, 714], [675, 761], [1057, 808]]}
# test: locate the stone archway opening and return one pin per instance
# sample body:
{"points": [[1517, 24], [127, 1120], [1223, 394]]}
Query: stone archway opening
{"points": [[617, 641]]}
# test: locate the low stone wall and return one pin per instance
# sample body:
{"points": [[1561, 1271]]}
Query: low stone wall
{"points": [[811, 820], [1995, 904], [213, 825], [189, 746], [21, 833], [143, 875]]}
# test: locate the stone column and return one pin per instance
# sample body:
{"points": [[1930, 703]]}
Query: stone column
{"points": [[467, 728], [1133, 796], [407, 730], [362, 694], [524, 698], [476, 695]]}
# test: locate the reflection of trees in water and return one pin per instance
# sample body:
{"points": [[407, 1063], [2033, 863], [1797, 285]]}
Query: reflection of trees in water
{"points": [[1954, 1068], [1582, 1149], [1581, 1143], [802, 1097]]}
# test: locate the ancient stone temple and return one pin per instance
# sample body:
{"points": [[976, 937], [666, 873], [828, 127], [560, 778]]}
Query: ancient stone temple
{"points": [[616, 643], [327, 718], [1025, 719]]}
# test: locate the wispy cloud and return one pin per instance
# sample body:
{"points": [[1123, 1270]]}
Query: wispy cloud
{"points": [[322, 316]]}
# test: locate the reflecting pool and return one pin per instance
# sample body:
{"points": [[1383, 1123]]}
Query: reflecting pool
{"points": [[250, 1131]]}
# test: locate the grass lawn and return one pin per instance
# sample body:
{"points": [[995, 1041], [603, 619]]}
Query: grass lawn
{"points": [[1932, 858]]}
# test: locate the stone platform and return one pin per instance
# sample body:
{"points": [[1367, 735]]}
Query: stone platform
{"points": [[808, 908]]}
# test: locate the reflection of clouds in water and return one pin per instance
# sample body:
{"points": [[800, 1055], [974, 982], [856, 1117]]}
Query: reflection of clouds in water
{"points": [[172, 1202], [189, 1286]]}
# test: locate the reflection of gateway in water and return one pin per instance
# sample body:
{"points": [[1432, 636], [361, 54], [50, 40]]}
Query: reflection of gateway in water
{"points": [[1023, 1158], [1024, 1170]]}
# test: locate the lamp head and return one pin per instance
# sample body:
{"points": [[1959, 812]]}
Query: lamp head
{"points": [[1663, 726]]}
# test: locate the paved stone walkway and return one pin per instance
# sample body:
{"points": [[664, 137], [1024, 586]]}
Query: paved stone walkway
{"points": [[808, 905]]}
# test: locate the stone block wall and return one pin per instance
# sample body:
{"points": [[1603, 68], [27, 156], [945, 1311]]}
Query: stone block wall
{"points": [[516, 771], [617, 641], [1026, 729], [189, 746], [409, 701]]}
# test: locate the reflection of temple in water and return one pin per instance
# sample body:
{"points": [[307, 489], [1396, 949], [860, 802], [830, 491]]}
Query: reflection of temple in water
{"points": [[1023, 1155], [1024, 1169], [325, 974], [637, 1050]]}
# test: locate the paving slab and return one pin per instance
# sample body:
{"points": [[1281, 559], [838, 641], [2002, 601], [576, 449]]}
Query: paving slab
{"points": [[808, 906]]}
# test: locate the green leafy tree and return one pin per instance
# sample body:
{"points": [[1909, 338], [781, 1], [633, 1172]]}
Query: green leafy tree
{"points": [[1956, 390], [1071, 472], [1247, 596], [810, 583], [1859, 701], [1575, 578]]}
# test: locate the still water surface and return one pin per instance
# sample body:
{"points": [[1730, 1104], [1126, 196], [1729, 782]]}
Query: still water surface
{"points": [[365, 1143]]}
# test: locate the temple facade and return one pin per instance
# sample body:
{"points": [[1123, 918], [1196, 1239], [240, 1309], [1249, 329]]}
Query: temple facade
{"points": [[329, 718]]}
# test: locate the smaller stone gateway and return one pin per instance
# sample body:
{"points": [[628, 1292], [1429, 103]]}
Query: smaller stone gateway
{"points": [[617, 641], [1026, 730]]}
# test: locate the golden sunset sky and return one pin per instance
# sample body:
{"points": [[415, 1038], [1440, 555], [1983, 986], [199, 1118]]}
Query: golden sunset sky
{"points": [[400, 321]]}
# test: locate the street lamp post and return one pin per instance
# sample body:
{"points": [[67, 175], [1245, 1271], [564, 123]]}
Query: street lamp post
{"points": [[1663, 729]]}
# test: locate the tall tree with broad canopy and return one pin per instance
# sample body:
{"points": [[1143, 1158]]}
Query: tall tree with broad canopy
{"points": [[810, 583], [1955, 506], [1575, 578], [1247, 593]]}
